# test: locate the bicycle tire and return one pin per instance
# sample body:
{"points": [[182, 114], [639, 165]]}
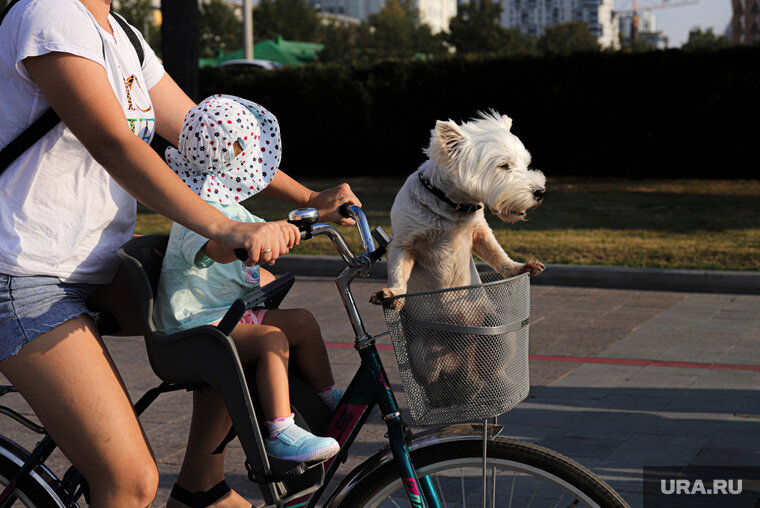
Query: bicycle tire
{"points": [[32, 492], [552, 470]]}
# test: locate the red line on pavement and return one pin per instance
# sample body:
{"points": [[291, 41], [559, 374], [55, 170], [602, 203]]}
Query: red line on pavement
{"points": [[605, 361]]}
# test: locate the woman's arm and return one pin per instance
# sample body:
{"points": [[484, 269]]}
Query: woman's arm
{"points": [[79, 91], [170, 105], [286, 189]]}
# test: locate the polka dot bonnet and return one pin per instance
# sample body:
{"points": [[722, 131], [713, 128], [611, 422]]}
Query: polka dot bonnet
{"points": [[206, 159]]}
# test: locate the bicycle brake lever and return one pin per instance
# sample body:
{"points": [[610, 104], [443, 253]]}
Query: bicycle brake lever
{"points": [[383, 240]]}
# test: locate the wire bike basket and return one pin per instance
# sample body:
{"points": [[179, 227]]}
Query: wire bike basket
{"points": [[462, 352]]}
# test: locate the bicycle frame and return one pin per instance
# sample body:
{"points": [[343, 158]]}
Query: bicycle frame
{"points": [[368, 387]]}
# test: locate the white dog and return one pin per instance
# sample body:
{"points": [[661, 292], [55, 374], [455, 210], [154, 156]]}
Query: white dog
{"points": [[437, 219]]}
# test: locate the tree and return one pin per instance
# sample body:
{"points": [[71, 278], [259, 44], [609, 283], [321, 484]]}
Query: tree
{"points": [[295, 20], [221, 30], [476, 29], [140, 14], [705, 41], [566, 38], [631, 46], [391, 33], [339, 44]]}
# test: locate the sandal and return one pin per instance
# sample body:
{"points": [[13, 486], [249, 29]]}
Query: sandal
{"points": [[200, 499]]}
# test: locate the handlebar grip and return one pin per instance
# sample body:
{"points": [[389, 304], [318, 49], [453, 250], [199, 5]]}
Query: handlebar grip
{"points": [[241, 254], [344, 211]]}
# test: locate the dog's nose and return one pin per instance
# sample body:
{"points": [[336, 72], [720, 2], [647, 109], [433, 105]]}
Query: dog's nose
{"points": [[539, 194]]}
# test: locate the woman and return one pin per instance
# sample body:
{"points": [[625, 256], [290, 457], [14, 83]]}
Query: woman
{"points": [[66, 205]]}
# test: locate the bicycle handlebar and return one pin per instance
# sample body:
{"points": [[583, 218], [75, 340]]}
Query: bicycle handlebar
{"points": [[350, 210], [305, 219]]}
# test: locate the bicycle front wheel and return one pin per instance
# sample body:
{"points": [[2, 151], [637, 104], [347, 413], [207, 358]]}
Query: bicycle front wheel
{"points": [[32, 492], [518, 474]]}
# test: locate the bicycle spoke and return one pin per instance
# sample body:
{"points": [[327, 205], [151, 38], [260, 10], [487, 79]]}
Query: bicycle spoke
{"points": [[493, 487], [461, 477], [538, 486], [440, 492], [512, 491]]}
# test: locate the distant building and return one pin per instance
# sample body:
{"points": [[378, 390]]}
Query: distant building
{"points": [[745, 22], [647, 23], [359, 9], [647, 29], [534, 16], [330, 18], [435, 13]]}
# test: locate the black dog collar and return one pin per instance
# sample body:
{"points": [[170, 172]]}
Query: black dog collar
{"points": [[459, 207]]}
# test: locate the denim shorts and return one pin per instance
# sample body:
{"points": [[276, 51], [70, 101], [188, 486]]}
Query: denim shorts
{"points": [[33, 305]]}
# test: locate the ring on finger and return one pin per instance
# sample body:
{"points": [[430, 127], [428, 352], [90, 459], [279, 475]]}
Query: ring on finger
{"points": [[266, 251]]}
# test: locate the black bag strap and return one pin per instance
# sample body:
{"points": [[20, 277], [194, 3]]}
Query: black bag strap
{"points": [[131, 35], [50, 118], [7, 8]]}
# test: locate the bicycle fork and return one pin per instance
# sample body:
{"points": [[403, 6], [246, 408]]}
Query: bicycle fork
{"points": [[420, 491]]}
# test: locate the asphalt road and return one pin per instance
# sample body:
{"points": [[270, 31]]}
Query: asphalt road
{"points": [[620, 379]]}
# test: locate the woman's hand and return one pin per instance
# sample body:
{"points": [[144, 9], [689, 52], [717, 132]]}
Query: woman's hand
{"points": [[264, 241], [328, 201]]}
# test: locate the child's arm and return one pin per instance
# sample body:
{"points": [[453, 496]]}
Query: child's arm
{"points": [[217, 252]]}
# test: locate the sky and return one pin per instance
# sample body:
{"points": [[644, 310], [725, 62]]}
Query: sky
{"points": [[677, 21]]}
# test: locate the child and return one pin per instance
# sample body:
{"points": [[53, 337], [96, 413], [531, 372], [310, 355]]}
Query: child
{"points": [[229, 149]]}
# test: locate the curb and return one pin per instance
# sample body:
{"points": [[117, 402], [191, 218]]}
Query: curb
{"points": [[655, 279]]}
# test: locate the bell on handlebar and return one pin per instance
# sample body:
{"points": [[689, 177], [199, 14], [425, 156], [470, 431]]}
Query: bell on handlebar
{"points": [[303, 216]]}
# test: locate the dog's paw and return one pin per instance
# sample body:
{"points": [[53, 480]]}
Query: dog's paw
{"points": [[378, 297], [534, 267]]}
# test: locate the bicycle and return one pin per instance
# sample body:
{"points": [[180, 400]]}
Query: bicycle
{"points": [[454, 465]]}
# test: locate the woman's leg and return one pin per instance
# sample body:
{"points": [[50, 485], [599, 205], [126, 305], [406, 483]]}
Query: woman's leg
{"points": [[68, 378], [265, 346]]}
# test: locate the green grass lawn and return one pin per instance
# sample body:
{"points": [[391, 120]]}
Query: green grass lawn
{"points": [[639, 223]]}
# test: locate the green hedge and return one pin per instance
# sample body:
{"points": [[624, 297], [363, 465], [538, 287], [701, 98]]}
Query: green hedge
{"points": [[658, 114]]}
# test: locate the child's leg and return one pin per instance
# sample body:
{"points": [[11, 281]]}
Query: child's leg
{"points": [[306, 343], [201, 470], [267, 347]]}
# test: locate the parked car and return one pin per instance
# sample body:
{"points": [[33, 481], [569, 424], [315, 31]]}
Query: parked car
{"points": [[262, 64]]}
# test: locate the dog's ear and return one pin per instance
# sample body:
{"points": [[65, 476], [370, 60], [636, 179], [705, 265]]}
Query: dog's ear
{"points": [[449, 134], [507, 122]]}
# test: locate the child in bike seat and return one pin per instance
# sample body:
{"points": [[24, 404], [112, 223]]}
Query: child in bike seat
{"points": [[229, 150]]}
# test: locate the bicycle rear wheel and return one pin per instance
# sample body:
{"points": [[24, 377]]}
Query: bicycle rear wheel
{"points": [[519, 474], [32, 492]]}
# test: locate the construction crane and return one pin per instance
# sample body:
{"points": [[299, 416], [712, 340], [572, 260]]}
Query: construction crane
{"points": [[635, 11]]}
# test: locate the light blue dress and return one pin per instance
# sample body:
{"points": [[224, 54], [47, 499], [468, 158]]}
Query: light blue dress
{"points": [[194, 290]]}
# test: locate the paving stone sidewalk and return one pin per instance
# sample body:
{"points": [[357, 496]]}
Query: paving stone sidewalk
{"points": [[620, 379]]}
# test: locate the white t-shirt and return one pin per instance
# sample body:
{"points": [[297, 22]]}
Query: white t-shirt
{"points": [[61, 213]]}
